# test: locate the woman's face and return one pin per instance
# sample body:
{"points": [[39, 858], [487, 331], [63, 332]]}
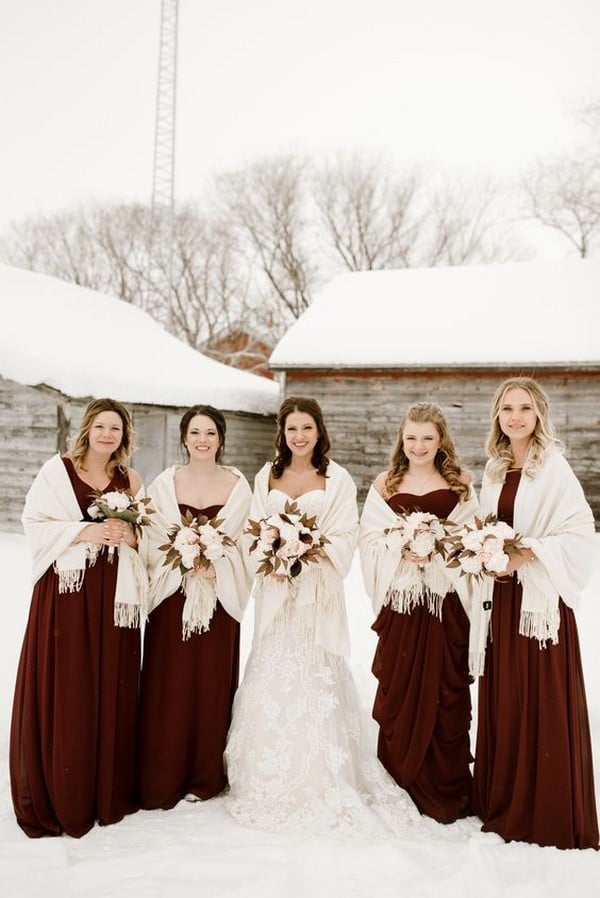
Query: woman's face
{"points": [[301, 434], [420, 441], [517, 417], [106, 433], [202, 438]]}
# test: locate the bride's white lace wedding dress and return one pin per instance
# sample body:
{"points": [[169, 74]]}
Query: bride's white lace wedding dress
{"points": [[298, 756]]}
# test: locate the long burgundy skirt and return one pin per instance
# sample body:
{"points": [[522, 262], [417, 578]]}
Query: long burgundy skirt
{"points": [[533, 777], [423, 706], [74, 720], [423, 702], [186, 697]]}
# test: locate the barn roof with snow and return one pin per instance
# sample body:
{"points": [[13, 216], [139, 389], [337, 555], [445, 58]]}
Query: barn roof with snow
{"points": [[547, 313], [86, 343]]}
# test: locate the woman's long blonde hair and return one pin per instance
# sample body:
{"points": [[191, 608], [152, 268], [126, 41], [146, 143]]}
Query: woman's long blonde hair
{"points": [[446, 461], [543, 438], [79, 443]]}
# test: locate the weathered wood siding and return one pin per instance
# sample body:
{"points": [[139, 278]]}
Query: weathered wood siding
{"points": [[29, 429], [364, 407], [35, 422]]}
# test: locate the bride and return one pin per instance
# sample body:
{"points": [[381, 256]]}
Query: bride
{"points": [[298, 756]]}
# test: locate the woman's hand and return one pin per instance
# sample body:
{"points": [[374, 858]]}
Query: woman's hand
{"points": [[110, 532], [415, 559], [517, 560], [206, 573]]}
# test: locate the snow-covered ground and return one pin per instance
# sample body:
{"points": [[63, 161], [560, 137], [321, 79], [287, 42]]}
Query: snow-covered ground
{"points": [[198, 850]]}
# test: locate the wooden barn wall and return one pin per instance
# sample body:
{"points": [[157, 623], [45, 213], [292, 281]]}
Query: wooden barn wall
{"points": [[248, 442], [35, 422], [29, 428], [363, 409]]}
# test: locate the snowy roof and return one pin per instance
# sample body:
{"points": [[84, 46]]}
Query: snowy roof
{"points": [[540, 313], [86, 343]]}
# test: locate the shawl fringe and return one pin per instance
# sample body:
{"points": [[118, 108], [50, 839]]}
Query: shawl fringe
{"points": [[70, 567], [200, 604], [418, 585]]}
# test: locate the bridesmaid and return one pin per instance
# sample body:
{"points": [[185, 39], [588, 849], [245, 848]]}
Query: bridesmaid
{"points": [[422, 704], [188, 684], [73, 734], [533, 777]]}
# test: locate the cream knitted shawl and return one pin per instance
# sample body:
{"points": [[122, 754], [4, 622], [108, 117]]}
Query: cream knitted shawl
{"points": [[321, 586], [553, 519], [51, 521], [231, 586], [389, 578]]}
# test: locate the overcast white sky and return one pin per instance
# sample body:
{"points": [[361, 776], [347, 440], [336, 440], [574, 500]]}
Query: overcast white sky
{"points": [[474, 85]]}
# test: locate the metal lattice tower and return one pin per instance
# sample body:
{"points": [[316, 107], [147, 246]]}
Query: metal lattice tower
{"points": [[163, 176]]}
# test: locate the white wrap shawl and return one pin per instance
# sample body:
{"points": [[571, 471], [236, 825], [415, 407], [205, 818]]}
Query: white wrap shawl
{"points": [[555, 521], [386, 575], [231, 586], [51, 521], [320, 585]]}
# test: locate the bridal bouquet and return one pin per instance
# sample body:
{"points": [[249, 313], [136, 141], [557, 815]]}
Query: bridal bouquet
{"points": [[195, 543], [481, 549], [418, 533], [119, 504], [286, 541]]}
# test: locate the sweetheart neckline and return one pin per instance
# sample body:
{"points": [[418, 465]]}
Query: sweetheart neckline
{"points": [[295, 498], [440, 489]]}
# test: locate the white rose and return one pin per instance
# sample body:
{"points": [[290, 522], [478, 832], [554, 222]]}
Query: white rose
{"points": [[292, 548], [423, 544], [470, 564], [185, 537], [412, 523], [497, 562], [288, 532], [214, 551], [116, 501], [503, 531], [94, 512], [188, 555], [437, 529], [472, 540], [492, 545], [209, 535]]}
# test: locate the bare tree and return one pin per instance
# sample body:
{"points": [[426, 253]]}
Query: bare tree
{"points": [[565, 195], [111, 249], [368, 214], [265, 203], [466, 224], [373, 218]]}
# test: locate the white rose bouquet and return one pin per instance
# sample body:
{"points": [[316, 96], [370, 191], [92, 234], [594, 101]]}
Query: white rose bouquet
{"points": [[482, 549], [119, 504], [286, 541], [418, 533], [419, 541], [195, 543], [192, 547]]}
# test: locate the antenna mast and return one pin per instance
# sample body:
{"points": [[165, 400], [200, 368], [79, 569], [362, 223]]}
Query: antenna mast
{"points": [[163, 176]]}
